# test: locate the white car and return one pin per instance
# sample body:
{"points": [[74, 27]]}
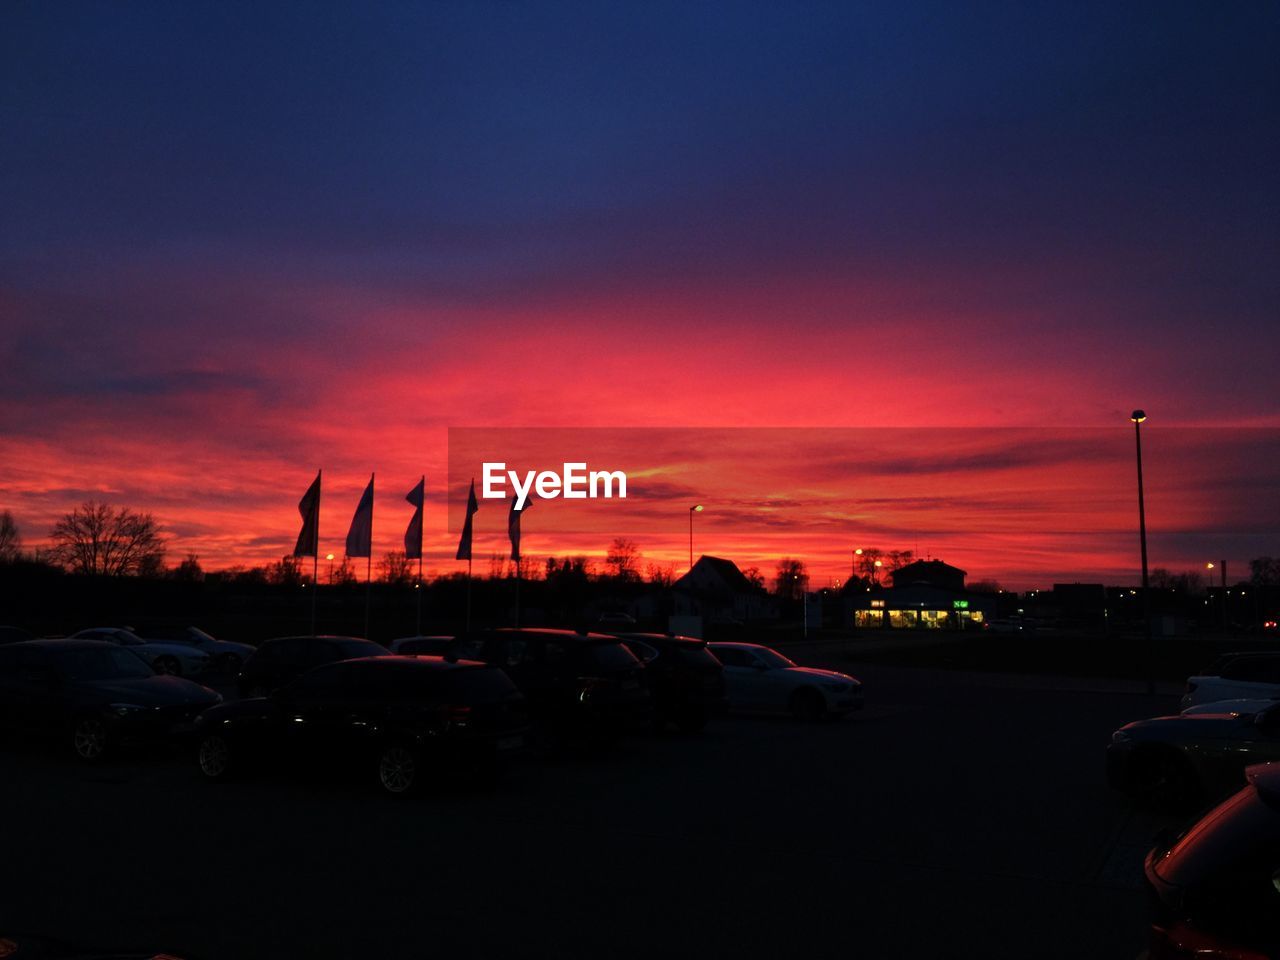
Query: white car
{"points": [[178, 659], [758, 678], [1236, 676]]}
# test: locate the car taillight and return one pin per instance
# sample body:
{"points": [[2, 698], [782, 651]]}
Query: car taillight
{"points": [[1181, 942]]}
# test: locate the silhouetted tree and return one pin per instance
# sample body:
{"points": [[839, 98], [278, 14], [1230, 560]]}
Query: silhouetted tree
{"points": [[10, 539], [985, 586], [622, 559], [395, 567], [659, 575], [189, 570], [344, 574], [287, 572], [791, 580], [97, 538], [1189, 582], [755, 578]]}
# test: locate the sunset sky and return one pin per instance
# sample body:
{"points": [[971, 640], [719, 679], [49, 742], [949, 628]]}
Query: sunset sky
{"points": [[242, 242]]}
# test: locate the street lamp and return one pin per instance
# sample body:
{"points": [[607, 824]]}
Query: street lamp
{"points": [[696, 508], [1137, 417], [329, 557]]}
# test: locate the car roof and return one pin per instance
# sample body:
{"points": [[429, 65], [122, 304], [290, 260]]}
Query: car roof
{"points": [[412, 662], [318, 636], [550, 633], [660, 637], [738, 644]]}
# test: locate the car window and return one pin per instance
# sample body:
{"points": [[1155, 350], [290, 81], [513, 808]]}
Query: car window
{"points": [[1253, 669], [322, 682], [733, 656], [643, 651], [696, 655], [610, 656]]}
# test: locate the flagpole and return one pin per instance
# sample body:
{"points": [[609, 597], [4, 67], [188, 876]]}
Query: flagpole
{"points": [[468, 626], [517, 593], [418, 626], [315, 574]]}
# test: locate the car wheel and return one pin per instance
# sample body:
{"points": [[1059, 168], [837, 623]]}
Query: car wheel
{"points": [[89, 738], [215, 757], [168, 665], [808, 705], [398, 769]]}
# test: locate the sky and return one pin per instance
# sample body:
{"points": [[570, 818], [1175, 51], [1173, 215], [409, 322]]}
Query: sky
{"points": [[243, 242]]}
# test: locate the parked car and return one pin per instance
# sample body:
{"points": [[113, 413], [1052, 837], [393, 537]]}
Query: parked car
{"points": [[686, 681], [93, 696], [15, 635], [1215, 888], [408, 719], [280, 661], [577, 684], [1235, 676], [24, 946], [1187, 759], [178, 659], [436, 646], [226, 655], [761, 679]]}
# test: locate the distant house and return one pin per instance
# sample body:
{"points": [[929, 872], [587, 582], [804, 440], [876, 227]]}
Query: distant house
{"points": [[926, 594], [716, 590]]}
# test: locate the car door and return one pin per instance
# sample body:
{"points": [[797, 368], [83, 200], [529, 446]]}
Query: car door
{"points": [[314, 713], [744, 678]]}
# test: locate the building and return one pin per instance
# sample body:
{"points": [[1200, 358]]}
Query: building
{"points": [[716, 590], [926, 594]]}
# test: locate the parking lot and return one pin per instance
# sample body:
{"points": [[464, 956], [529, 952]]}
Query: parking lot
{"points": [[960, 814]]}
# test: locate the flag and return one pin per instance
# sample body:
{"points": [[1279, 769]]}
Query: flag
{"points": [[360, 536], [309, 506], [413, 535], [513, 527], [464, 542]]}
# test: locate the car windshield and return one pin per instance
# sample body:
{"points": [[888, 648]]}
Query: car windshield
{"points": [[696, 655], [773, 659], [360, 648], [104, 663]]}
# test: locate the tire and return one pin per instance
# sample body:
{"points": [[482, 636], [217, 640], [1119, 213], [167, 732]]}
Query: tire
{"points": [[216, 758], [807, 705], [89, 738], [167, 665], [400, 769]]}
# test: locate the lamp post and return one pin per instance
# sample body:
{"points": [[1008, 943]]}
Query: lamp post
{"points": [[329, 557], [696, 508], [1137, 417]]}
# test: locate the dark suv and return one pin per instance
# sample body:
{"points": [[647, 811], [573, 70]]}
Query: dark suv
{"points": [[277, 662], [1216, 888], [407, 719], [577, 683], [685, 678]]}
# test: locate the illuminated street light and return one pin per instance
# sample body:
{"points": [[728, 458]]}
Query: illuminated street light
{"points": [[1138, 416], [696, 508]]}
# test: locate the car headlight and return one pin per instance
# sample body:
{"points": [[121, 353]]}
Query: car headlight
{"points": [[125, 709]]}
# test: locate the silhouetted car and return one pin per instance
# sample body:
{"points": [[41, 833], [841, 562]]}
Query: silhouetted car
{"points": [[175, 658], [577, 683], [1186, 759], [408, 719], [686, 681], [421, 646], [226, 655], [15, 635], [763, 680], [279, 661], [1216, 888], [93, 695], [1235, 676]]}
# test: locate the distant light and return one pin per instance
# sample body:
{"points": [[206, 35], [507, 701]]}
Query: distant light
{"points": [[1208, 566], [328, 556], [696, 508], [1138, 416], [858, 551]]}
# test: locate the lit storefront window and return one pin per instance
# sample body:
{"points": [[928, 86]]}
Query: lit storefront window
{"points": [[868, 618], [903, 618]]}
